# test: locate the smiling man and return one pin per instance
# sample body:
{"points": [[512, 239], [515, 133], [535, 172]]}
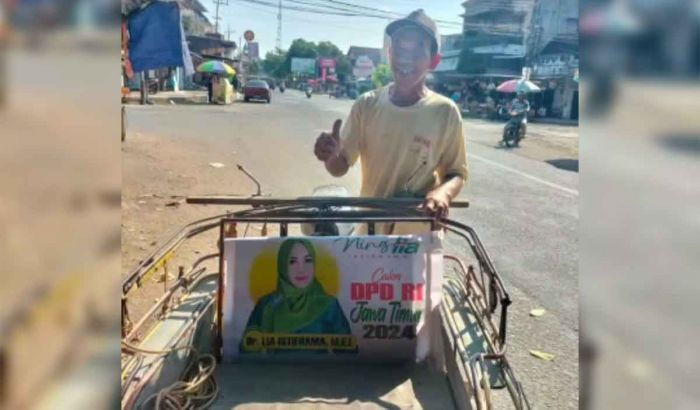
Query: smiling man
{"points": [[409, 139]]}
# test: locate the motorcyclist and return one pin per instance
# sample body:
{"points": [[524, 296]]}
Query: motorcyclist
{"points": [[519, 108]]}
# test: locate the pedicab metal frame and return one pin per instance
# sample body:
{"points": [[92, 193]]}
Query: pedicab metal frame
{"points": [[483, 293]]}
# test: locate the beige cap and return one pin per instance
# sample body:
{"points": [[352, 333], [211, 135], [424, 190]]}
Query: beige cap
{"points": [[420, 20]]}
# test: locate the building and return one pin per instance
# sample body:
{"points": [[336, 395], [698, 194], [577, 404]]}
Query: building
{"points": [[212, 44], [374, 54], [552, 52], [502, 37], [364, 60], [450, 51], [494, 37], [194, 21]]}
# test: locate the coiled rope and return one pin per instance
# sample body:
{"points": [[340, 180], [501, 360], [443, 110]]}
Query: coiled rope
{"points": [[198, 389]]}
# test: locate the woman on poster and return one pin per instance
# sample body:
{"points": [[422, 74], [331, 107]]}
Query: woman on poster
{"points": [[299, 304]]}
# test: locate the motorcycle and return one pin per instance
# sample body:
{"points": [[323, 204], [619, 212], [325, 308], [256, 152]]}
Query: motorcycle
{"points": [[309, 91], [502, 113], [514, 130]]}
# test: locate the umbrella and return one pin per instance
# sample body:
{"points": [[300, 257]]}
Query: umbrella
{"points": [[216, 67], [518, 85]]}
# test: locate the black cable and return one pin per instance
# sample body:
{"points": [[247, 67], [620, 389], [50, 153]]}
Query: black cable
{"points": [[297, 8], [345, 9], [313, 7], [395, 14]]}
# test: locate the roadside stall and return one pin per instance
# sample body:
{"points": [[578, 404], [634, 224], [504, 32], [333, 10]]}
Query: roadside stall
{"points": [[219, 72]]}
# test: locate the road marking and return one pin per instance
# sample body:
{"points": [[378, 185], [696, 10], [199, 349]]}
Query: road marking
{"points": [[525, 175]]}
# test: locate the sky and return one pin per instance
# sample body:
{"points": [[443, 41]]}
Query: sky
{"points": [[343, 31]]}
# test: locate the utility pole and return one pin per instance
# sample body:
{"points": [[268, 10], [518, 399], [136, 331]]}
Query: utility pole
{"points": [[532, 36], [228, 33], [217, 18], [279, 24]]}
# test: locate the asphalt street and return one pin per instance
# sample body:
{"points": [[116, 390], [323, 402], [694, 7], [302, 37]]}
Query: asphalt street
{"points": [[524, 204]]}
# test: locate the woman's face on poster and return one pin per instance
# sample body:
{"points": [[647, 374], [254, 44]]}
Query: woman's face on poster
{"points": [[301, 267]]}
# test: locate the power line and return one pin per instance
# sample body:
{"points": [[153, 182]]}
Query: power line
{"points": [[217, 18], [293, 15], [357, 6], [298, 8], [312, 9], [307, 6], [388, 12], [329, 7]]}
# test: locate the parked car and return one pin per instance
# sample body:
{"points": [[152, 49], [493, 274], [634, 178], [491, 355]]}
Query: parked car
{"points": [[257, 90]]}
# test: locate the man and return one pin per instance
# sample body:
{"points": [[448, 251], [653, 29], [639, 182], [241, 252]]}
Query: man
{"points": [[210, 88], [409, 139], [519, 108]]}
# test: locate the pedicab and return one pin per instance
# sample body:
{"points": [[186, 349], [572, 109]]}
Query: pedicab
{"points": [[180, 353]]}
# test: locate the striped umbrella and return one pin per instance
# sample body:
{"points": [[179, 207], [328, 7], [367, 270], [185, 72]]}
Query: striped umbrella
{"points": [[518, 85], [215, 67]]}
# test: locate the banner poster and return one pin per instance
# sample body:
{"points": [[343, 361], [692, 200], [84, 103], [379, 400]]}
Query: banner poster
{"points": [[355, 297], [303, 65]]}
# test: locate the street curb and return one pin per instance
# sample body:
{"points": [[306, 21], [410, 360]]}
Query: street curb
{"points": [[169, 101]]}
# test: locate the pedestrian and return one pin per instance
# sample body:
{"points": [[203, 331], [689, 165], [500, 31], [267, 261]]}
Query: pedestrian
{"points": [[210, 88], [410, 139], [456, 96]]}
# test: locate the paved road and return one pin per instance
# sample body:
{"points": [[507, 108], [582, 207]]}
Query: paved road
{"points": [[524, 204]]}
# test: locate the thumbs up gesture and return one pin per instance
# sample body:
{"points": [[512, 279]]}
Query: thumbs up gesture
{"points": [[328, 145]]}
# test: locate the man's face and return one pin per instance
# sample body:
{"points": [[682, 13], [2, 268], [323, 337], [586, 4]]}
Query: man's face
{"points": [[410, 57]]}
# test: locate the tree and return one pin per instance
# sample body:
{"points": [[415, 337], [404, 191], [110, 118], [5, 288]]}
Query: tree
{"points": [[278, 63], [382, 76], [328, 49], [302, 48], [299, 48], [253, 67], [343, 67], [273, 64]]}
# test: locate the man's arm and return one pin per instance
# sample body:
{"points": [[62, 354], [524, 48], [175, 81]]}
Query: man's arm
{"points": [[454, 163], [452, 186]]}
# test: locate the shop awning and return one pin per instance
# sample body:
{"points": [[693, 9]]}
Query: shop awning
{"points": [[447, 64]]}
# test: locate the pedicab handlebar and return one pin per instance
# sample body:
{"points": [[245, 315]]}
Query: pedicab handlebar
{"points": [[315, 201]]}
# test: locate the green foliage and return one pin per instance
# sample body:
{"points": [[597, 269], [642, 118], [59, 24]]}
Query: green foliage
{"points": [[382, 76], [278, 63], [343, 67], [253, 67], [302, 48], [273, 64], [327, 49]]}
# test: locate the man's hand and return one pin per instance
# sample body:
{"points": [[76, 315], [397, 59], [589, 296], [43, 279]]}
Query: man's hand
{"points": [[437, 203], [328, 145]]}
